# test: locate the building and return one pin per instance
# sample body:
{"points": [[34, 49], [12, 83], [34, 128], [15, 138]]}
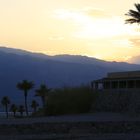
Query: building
{"points": [[118, 81]]}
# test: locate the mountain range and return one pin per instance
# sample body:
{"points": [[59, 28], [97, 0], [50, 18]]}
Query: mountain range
{"points": [[55, 71]]}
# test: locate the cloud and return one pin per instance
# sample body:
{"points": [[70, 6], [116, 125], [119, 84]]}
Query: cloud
{"points": [[65, 14], [74, 13], [134, 59], [56, 37], [135, 42], [95, 23], [127, 58], [123, 42], [96, 12]]}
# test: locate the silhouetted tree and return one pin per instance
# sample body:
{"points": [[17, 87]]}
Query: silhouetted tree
{"points": [[43, 93], [34, 105], [5, 102], [25, 86], [21, 110], [14, 109], [134, 15]]}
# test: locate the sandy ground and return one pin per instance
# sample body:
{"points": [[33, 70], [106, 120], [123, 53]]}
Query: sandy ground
{"points": [[76, 137], [94, 117]]}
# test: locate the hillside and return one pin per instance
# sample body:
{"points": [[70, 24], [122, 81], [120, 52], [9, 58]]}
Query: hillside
{"points": [[55, 71]]}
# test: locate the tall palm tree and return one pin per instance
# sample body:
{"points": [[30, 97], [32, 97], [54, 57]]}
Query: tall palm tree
{"points": [[34, 105], [14, 109], [21, 110], [134, 15], [25, 86], [5, 102], [43, 93]]}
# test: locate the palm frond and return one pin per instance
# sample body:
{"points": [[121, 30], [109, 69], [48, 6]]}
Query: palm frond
{"points": [[132, 20], [137, 5], [135, 15]]}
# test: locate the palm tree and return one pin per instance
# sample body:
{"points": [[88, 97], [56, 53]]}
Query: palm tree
{"points": [[14, 109], [25, 86], [43, 93], [21, 110], [135, 15], [5, 102], [34, 105]]}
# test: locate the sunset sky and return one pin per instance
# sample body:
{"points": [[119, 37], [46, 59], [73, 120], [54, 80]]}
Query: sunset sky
{"points": [[95, 28]]}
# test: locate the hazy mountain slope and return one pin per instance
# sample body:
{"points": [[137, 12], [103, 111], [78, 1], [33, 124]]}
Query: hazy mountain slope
{"points": [[74, 59], [94, 61], [16, 66]]}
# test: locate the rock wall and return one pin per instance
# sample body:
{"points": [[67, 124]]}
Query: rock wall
{"points": [[70, 128]]}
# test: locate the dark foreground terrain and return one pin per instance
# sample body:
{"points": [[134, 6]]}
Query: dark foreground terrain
{"points": [[99, 126]]}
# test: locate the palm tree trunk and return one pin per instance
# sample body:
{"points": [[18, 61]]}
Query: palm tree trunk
{"points": [[34, 109], [6, 109], [14, 114], [43, 101], [21, 114], [26, 106]]}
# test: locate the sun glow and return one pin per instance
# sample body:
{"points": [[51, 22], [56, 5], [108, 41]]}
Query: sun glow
{"points": [[96, 33], [102, 28], [89, 27]]}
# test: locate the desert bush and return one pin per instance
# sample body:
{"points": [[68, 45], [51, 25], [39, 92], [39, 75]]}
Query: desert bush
{"points": [[69, 100]]}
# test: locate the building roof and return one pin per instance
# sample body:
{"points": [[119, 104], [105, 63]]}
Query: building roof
{"points": [[121, 76], [127, 74]]}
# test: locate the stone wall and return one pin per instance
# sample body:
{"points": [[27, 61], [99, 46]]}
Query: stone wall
{"points": [[70, 128]]}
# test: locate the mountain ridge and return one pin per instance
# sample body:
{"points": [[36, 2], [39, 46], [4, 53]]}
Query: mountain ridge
{"points": [[60, 57]]}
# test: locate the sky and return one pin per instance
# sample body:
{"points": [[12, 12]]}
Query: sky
{"points": [[94, 28]]}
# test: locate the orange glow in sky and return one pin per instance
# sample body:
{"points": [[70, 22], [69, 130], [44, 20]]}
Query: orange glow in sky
{"points": [[93, 28]]}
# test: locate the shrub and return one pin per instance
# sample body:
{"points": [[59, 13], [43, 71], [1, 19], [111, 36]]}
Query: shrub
{"points": [[69, 101]]}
